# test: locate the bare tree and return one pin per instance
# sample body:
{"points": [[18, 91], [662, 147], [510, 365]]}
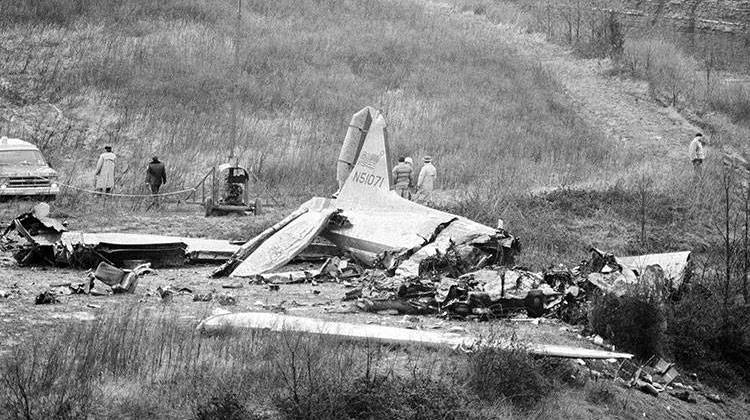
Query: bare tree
{"points": [[644, 186]]}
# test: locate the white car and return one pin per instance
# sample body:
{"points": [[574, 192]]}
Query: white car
{"points": [[24, 171]]}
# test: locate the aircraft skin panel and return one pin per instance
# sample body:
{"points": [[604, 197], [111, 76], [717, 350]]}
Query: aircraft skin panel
{"points": [[402, 229], [385, 334], [193, 244], [674, 264], [284, 245]]}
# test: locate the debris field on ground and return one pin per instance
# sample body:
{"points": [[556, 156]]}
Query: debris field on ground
{"points": [[390, 256]]}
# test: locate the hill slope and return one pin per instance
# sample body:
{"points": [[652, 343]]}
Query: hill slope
{"points": [[159, 77]]}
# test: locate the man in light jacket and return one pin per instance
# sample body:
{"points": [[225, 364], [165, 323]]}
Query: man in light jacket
{"points": [[105, 171], [697, 154], [427, 176]]}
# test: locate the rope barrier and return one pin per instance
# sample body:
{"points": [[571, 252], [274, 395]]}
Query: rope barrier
{"points": [[125, 195]]}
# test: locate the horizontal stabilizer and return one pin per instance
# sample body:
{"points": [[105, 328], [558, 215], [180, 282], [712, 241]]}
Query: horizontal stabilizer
{"points": [[281, 247]]}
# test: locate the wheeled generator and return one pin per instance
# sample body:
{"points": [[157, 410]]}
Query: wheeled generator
{"points": [[230, 193]]}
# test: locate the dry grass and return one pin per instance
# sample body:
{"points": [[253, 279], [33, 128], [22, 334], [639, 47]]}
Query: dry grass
{"points": [[159, 78], [147, 364]]}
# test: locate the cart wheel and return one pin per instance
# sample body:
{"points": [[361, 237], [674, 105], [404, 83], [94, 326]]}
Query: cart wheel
{"points": [[209, 205], [258, 207]]}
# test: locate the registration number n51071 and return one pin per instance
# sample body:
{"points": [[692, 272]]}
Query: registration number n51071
{"points": [[368, 179]]}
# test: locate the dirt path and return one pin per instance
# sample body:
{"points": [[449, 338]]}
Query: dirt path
{"points": [[655, 136]]}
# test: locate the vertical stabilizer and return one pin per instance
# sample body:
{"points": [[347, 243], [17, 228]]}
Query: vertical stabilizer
{"points": [[371, 175]]}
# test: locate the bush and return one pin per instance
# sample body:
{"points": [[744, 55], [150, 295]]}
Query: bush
{"points": [[711, 340], [46, 382], [629, 322], [226, 407], [670, 72], [320, 383], [601, 393], [509, 374], [732, 100], [396, 397]]}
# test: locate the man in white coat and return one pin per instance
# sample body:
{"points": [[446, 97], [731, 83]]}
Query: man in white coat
{"points": [[105, 171], [426, 180]]}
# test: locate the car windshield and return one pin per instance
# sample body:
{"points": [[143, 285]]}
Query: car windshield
{"points": [[21, 157]]}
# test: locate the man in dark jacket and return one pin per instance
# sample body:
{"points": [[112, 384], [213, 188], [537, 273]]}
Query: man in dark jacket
{"points": [[156, 175]]}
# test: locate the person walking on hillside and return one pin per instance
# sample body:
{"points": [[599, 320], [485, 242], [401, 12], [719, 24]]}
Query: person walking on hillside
{"points": [[156, 175], [402, 178], [427, 176], [697, 155], [105, 171]]}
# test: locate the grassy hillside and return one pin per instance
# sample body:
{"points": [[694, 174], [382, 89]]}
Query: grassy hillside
{"points": [[159, 77]]}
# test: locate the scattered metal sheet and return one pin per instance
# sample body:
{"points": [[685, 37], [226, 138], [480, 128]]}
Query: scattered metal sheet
{"points": [[221, 248], [675, 265], [288, 277], [385, 334], [88, 249], [662, 273], [50, 243]]}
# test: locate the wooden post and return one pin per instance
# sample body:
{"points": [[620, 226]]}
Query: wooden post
{"points": [[236, 99]]}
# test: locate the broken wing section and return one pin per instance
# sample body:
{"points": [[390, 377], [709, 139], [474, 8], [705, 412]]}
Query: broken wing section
{"points": [[384, 334], [276, 251], [371, 176]]}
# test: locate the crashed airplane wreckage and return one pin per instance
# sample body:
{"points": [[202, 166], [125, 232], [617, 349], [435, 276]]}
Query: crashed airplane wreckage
{"points": [[371, 222], [50, 242]]}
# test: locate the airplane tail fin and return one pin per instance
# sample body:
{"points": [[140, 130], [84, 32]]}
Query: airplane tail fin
{"points": [[371, 175]]}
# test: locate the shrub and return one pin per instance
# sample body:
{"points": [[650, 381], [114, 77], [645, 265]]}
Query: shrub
{"points": [[510, 374], [46, 382], [396, 397], [630, 322], [318, 382], [615, 37], [670, 73], [732, 100], [710, 339], [601, 393], [225, 406]]}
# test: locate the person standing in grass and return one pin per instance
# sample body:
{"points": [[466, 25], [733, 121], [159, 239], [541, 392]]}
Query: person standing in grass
{"points": [[156, 175], [402, 178], [409, 161], [697, 154], [427, 176], [105, 171]]}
